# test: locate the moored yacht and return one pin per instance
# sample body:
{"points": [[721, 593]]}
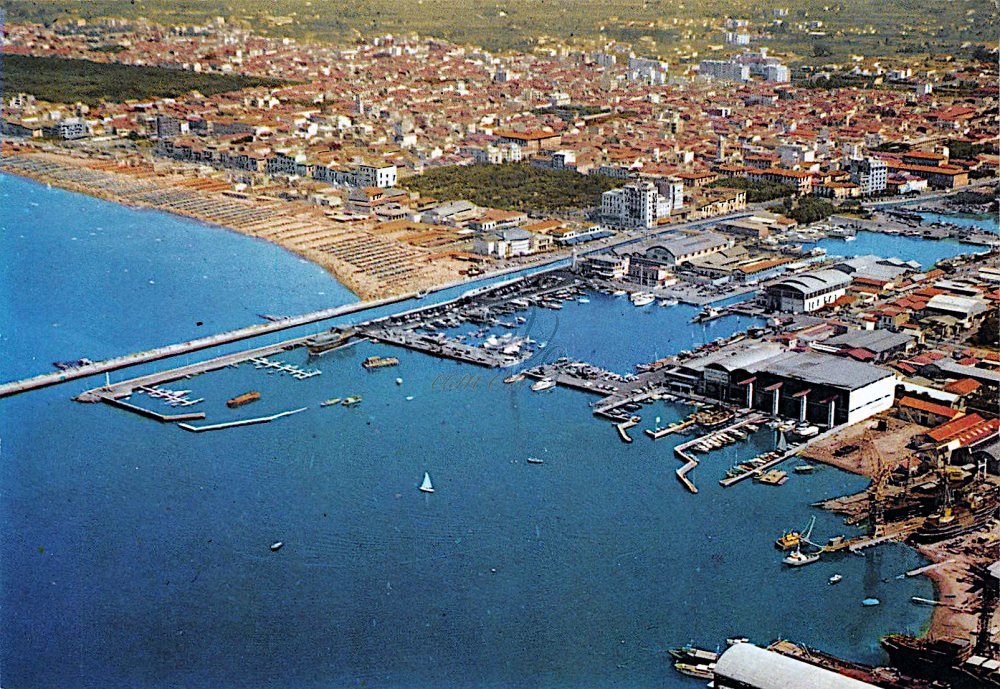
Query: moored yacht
{"points": [[543, 384]]}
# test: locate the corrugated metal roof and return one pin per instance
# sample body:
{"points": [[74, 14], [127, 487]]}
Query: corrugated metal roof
{"points": [[815, 281], [763, 669], [825, 369]]}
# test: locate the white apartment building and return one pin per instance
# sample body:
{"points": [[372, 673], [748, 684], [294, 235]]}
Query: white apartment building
{"points": [[870, 174]]}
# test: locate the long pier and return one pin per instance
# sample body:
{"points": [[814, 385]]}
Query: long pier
{"points": [[125, 388], [115, 363]]}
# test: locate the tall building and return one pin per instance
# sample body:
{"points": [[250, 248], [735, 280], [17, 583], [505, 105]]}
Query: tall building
{"points": [[870, 174], [634, 205], [724, 70]]}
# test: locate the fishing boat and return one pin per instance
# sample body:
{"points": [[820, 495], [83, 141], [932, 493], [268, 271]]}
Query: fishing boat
{"points": [[836, 579], [793, 539], [692, 654], [535, 460], [330, 402], [276, 546], [352, 400], [799, 559], [543, 384], [699, 671], [245, 398], [426, 486]]}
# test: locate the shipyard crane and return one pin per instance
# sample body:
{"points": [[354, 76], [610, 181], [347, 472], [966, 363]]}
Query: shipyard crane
{"points": [[881, 471]]}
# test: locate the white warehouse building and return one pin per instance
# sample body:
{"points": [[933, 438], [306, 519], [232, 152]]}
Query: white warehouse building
{"points": [[807, 292]]}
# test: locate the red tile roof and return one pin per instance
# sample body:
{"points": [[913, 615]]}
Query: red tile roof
{"points": [[930, 407]]}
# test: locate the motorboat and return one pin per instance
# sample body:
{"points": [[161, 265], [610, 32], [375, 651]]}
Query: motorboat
{"points": [[543, 384], [836, 579], [799, 559], [669, 302]]}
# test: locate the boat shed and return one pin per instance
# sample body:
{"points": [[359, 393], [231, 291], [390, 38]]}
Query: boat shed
{"points": [[808, 386], [806, 292], [745, 666]]}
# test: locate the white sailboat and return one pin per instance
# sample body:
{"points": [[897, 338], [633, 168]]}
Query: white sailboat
{"points": [[426, 486]]}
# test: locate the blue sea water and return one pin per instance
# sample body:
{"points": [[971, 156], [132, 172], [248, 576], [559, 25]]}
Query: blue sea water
{"points": [[925, 251], [137, 554]]}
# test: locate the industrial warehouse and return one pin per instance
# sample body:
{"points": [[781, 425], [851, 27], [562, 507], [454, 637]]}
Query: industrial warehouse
{"points": [[806, 386]]}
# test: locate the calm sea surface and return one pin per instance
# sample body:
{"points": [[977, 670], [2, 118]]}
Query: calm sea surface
{"points": [[137, 554]]}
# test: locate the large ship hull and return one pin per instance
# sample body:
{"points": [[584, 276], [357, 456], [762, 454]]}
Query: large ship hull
{"points": [[933, 531]]}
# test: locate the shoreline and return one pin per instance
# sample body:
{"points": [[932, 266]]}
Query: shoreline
{"points": [[948, 617], [265, 219]]}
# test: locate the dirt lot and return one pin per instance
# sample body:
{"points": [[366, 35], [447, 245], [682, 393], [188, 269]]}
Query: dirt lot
{"points": [[892, 443]]}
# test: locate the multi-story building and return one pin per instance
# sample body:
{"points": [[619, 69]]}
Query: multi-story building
{"points": [[724, 70], [69, 128], [381, 176], [634, 205], [870, 174]]}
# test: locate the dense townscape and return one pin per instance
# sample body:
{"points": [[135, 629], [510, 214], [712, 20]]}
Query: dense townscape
{"points": [[406, 165]]}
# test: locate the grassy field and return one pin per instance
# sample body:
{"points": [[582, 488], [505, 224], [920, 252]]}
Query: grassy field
{"points": [[515, 186], [670, 29], [67, 81]]}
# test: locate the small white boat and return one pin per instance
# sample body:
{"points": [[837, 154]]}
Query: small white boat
{"points": [[543, 384], [535, 460], [870, 602], [276, 546], [583, 300], [836, 579], [426, 486], [643, 299], [669, 302], [799, 559], [619, 293], [399, 381]]}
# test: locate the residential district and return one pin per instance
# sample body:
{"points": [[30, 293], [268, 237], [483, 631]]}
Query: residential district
{"points": [[712, 179]]}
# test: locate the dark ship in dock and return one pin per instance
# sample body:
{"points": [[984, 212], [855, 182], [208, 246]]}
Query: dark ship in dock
{"points": [[329, 340], [968, 514]]}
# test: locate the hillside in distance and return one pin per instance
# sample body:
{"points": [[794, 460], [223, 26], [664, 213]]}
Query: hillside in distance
{"points": [[674, 30]]}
